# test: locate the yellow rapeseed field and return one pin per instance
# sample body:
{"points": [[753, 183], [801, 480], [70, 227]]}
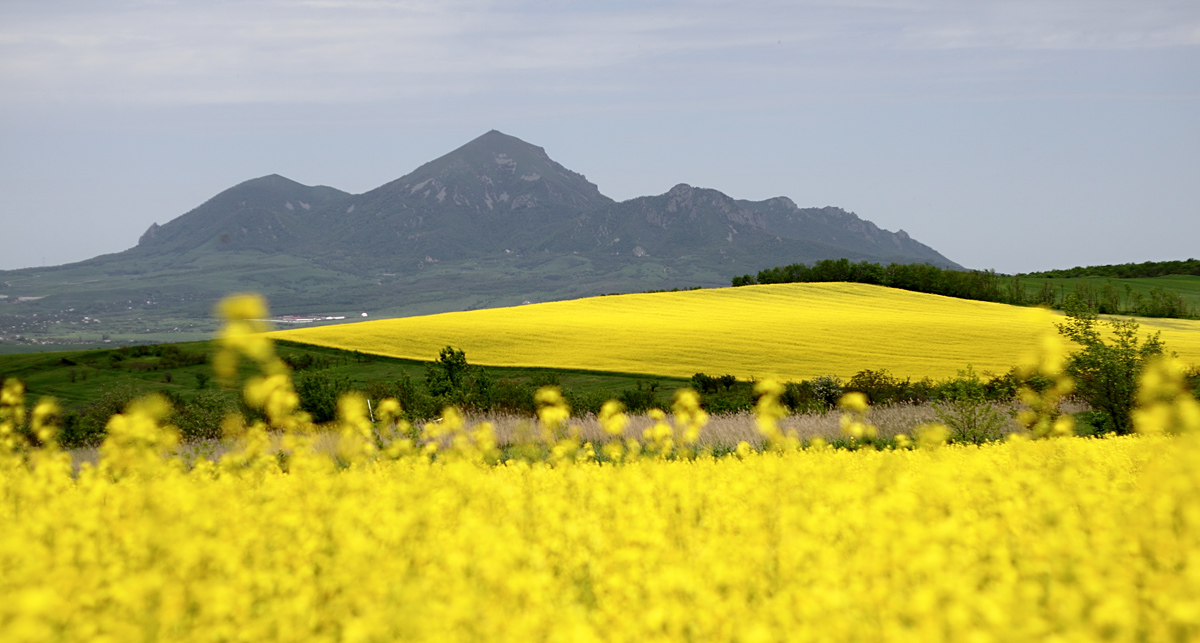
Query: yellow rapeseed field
{"points": [[791, 331], [1071, 539], [446, 539]]}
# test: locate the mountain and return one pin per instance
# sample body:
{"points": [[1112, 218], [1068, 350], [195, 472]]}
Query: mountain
{"points": [[690, 220], [269, 214], [495, 222], [493, 194]]}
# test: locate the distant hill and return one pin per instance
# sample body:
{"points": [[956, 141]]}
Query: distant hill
{"points": [[495, 222]]}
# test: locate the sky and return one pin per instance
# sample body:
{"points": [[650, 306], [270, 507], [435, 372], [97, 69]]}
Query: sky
{"points": [[1008, 135]]}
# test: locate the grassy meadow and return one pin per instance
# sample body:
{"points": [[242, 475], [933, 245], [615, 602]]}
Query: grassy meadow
{"points": [[1187, 287], [790, 331], [183, 371]]}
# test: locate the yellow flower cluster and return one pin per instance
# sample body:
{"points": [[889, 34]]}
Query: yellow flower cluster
{"points": [[1164, 405], [1042, 417]]}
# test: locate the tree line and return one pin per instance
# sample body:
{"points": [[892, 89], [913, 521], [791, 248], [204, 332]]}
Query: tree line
{"points": [[984, 285], [1126, 270]]}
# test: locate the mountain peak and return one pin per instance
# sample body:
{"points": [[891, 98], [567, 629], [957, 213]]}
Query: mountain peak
{"points": [[496, 150], [499, 142], [491, 175], [273, 181]]}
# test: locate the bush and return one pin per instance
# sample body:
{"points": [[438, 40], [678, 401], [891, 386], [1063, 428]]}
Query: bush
{"points": [[200, 418], [1106, 372], [705, 383], [640, 399], [1089, 423], [545, 378], [479, 392], [968, 413], [1003, 387], [511, 395], [85, 428], [454, 382], [733, 399], [305, 361], [827, 390], [879, 386], [799, 397], [415, 402], [585, 403], [319, 392]]}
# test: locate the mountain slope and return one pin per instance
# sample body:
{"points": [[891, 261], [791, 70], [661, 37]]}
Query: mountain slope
{"points": [[495, 222], [687, 220], [495, 193], [270, 214], [835, 226]]}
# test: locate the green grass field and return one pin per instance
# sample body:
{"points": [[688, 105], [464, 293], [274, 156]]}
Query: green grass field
{"points": [[82, 376], [1188, 286]]}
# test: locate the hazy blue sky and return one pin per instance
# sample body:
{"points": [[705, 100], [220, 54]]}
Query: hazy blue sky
{"points": [[1015, 135]]}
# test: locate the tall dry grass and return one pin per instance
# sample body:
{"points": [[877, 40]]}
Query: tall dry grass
{"points": [[725, 430], [729, 429]]}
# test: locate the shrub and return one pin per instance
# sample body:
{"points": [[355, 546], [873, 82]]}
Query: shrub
{"points": [[415, 401], [827, 390], [319, 392], [732, 399], [305, 361], [545, 378], [968, 413], [478, 392], [584, 403], [1003, 387], [879, 386], [641, 398], [1106, 372], [799, 397], [200, 418], [704, 383], [85, 428], [511, 395]]}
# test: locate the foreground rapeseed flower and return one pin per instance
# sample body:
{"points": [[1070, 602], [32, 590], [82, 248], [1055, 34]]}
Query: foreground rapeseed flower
{"points": [[1082, 539]]}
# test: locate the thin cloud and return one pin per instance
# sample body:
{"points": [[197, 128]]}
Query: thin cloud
{"points": [[360, 50]]}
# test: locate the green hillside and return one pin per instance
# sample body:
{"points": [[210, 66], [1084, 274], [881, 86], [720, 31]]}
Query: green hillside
{"points": [[182, 371]]}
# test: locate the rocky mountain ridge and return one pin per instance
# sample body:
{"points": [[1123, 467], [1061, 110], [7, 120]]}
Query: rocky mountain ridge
{"points": [[496, 222], [498, 194]]}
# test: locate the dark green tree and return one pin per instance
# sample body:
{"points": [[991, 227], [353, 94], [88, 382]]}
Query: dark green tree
{"points": [[1107, 367], [879, 386], [448, 375], [319, 392], [200, 418]]}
